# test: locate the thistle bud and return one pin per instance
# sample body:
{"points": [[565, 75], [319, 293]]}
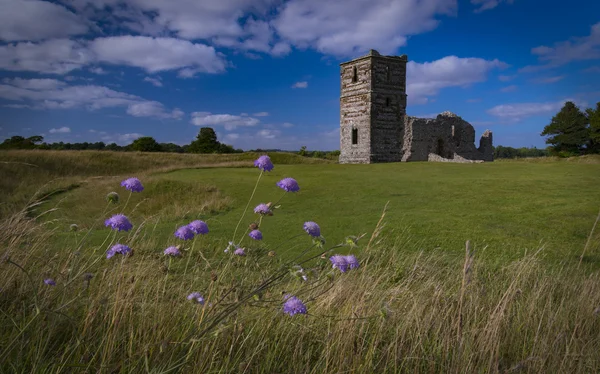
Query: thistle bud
{"points": [[112, 197], [253, 226]]}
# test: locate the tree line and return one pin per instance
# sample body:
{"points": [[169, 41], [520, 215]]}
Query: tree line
{"points": [[573, 132], [205, 142]]}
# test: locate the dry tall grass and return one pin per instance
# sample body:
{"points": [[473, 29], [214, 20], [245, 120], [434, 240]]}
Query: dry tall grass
{"points": [[398, 312]]}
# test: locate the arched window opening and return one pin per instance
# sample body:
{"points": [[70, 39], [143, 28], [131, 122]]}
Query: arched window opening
{"points": [[387, 101], [354, 136], [354, 75]]}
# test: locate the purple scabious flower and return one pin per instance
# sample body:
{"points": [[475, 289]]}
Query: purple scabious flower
{"points": [[121, 249], [184, 233], [239, 252], [312, 229], [289, 185], [199, 227], [339, 262], [264, 163], [133, 185], [262, 209], [196, 297], [172, 251], [352, 261], [50, 282], [293, 305], [118, 222], [255, 234]]}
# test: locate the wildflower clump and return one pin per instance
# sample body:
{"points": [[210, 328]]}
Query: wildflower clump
{"points": [[198, 227], [121, 249], [264, 163], [312, 229], [293, 306], [184, 233], [50, 282], [196, 298], [255, 234], [288, 185], [262, 209], [344, 263], [172, 251], [239, 252], [119, 222], [132, 184]]}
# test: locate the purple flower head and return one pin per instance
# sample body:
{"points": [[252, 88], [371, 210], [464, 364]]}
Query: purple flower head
{"points": [[352, 261], [293, 305], [50, 282], [339, 262], [121, 249], [262, 209], [264, 163], [289, 185], [255, 234], [184, 233], [196, 297], [312, 229], [239, 252], [118, 222], [172, 251], [133, 185], [199, 227]]}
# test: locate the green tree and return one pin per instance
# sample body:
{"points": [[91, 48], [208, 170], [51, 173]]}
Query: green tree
{"points": [[206, 142], [145, 144], [594, 120], [568, 131], [302, 151]]}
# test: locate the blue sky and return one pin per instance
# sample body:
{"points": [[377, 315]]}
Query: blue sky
{"points": [[265, 73]]}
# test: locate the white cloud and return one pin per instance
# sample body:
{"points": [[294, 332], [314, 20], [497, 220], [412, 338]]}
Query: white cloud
{"points": [[157, 54], [346, 28], [519, 111], [129, 137], [61, 130], [303, 84], [36, 20], [267, 134], [576, 49], [261, 114], [228, 121], [488, 4], [287, 125], [427, 79], [155, 81], [34, 84], [56, 56], [98, 70], [328, 139], [152, 109], [549, 79], [510, 88], [46, 94]]}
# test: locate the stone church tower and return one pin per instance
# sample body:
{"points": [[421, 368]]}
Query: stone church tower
{"points": [[372, 107], [374, 126]]}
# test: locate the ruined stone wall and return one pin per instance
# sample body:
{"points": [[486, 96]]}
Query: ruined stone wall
{"points": [[355, 111], [447, 136]]}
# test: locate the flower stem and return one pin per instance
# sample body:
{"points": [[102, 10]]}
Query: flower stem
{"points": [[247, 205]]}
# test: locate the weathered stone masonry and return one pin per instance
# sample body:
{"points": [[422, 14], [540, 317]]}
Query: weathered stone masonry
{"points": [[374, 126]]}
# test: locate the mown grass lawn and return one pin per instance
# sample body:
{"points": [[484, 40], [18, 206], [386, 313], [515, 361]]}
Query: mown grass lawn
{"points": [[506, 208]]}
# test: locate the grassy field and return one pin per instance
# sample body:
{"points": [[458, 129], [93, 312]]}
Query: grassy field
{"points": [[517, 301]]}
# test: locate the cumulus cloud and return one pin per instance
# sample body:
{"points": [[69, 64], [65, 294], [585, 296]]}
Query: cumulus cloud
{"points": [[303, 84], [56, 56], [519, 111], [484, 5], [427, 79], [52, 94], [37, 20], [60, 130], [228, 121], [564, 52], [261, 114], [157, 54]]}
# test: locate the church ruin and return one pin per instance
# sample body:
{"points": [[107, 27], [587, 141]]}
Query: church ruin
{"points": [[374, 126]]}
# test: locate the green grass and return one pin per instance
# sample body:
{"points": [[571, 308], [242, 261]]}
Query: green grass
{"points": [[416, 304], [507, 208]]}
